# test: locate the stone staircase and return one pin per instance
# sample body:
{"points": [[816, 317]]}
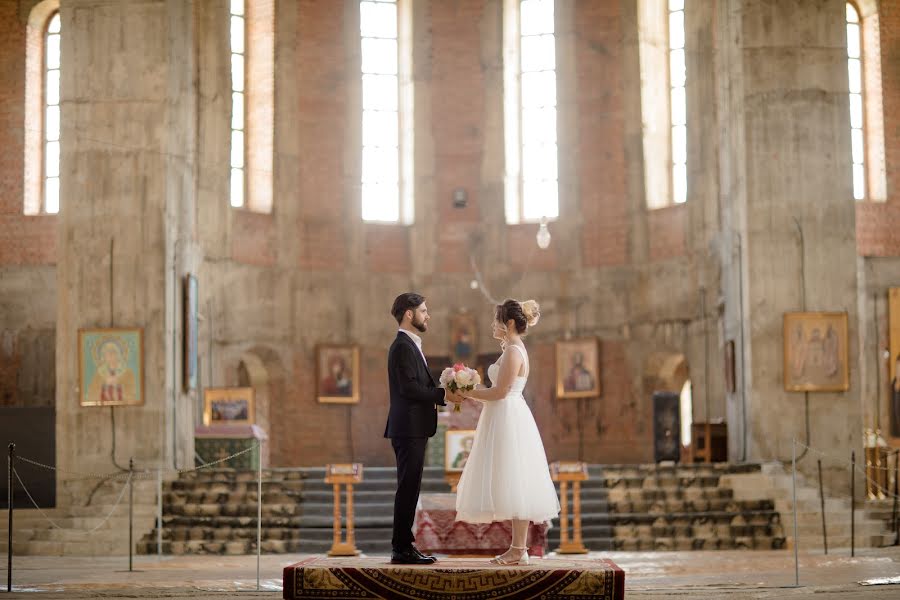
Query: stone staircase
{"points": [[34, 535], [214, 511], [687, 507], [623, 507], [772, 482]]}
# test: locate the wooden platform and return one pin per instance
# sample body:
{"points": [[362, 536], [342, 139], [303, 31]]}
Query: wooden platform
{"points": [[555, 578]]}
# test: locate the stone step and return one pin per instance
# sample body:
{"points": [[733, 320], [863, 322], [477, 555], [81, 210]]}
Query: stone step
{"points": [[233, 510], [665, 544], [724, 505], [811, 542], [747, 516], [71, 548], [654, 483], [655, 494]]}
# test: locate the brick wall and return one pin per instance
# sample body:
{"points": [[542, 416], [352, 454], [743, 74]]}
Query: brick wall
{"points": [[457, 103], [23, 240], [601, 134], [665, 231], [254, 238], [321, 76]]}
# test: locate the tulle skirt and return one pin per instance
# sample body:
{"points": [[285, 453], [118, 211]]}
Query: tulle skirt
{"points": [[506, 475]]}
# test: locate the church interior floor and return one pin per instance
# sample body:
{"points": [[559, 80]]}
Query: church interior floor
{"points": [[735, 574]]}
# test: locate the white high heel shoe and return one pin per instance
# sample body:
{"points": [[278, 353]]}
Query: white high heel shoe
{"points": [[523, 560]]}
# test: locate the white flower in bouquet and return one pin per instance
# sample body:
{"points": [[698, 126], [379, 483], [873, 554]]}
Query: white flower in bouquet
{"points": [[447, 376], [459, 378]]}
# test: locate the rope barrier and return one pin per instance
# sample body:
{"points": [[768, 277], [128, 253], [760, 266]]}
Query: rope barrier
{"points": [[57, 525], [142, 475], [839, 459]]}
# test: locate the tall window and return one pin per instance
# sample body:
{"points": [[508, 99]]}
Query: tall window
{"points": [[661, 42], [678, 101], [532, 186], [51, 115], [238, 42], [857, 112], [381, 91]]}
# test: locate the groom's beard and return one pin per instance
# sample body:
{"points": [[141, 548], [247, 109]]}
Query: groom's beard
{"points": [[422, 326]]}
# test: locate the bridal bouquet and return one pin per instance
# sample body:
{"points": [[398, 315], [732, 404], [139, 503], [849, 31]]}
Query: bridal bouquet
{"points": [[459, 377]]}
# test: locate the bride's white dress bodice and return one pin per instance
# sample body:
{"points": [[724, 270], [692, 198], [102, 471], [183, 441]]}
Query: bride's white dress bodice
{"points": [[518, 385]]}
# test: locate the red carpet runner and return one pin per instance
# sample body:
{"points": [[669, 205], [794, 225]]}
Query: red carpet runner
{"points": [[456, 579]]}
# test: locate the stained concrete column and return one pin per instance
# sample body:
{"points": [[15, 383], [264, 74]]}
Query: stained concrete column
{"points": [[126, 222], [788, 215]]}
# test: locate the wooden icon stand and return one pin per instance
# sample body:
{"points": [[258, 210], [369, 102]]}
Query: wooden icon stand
{"points": [[452, 479], [338, 475], [565, 473]]}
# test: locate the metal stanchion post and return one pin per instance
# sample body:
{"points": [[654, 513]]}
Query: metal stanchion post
{"points": [[259, 501], [130, 513], [852, 503], [159, 520], [794, 503], [822, 500], [10, 460]]}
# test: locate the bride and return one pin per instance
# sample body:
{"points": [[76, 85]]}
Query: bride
{"points": [[506, 476]]}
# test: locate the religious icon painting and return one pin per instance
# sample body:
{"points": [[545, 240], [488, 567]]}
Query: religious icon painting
{"points": [[457, 447], [462, 338], [815, 352], [111, 367], [228, 406], [578, 368], [337, 374]]}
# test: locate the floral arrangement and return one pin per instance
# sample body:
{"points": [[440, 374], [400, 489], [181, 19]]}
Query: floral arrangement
{"points": [[458, 378]]}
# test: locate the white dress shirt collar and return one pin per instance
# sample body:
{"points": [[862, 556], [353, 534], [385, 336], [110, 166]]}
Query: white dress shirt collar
{"points": [[416, 340]]}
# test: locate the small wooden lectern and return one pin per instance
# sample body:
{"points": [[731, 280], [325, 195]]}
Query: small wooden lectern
{"points": [[452, 479], [565, 472], [337, 475]]}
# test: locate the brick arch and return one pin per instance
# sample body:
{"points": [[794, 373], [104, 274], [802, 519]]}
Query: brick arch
{"points": [[866, 8], [262, 369], [666, 371]]}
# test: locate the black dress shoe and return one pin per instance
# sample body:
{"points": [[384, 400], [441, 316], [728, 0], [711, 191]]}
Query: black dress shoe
{"points": [[428, 556], [409, 556]]}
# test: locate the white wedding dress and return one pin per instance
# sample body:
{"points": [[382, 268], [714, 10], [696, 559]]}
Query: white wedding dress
{"points": [[506, 475]]}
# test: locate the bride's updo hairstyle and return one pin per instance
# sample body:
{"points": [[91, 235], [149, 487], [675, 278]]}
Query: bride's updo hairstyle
{"points": [[523, 314]]}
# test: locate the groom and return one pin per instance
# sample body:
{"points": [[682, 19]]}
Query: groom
{"points": [[411, 421]]}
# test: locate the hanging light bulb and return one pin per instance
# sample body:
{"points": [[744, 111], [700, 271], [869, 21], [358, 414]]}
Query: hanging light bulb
{"points": [[543, 235]]}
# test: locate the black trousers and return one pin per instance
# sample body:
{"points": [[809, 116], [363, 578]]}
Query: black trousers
{"points": [[410, 453]]}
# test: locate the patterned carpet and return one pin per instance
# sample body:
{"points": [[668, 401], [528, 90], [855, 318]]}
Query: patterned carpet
{"points": [[454, 579]]}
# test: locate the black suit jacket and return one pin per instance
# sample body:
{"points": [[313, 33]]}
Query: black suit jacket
{"points": [[414, 393]]}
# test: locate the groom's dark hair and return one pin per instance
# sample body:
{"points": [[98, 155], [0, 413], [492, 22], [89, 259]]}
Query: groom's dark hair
{"points": [[405, 302]]}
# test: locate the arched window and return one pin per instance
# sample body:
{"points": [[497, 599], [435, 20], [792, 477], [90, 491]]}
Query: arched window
{"points": [[663, 69], [864, 87], [678, 101], [531, 179], [857, 112], [42, 114], [238, 41], [252, 48], [51, 119], [386, 182]]}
